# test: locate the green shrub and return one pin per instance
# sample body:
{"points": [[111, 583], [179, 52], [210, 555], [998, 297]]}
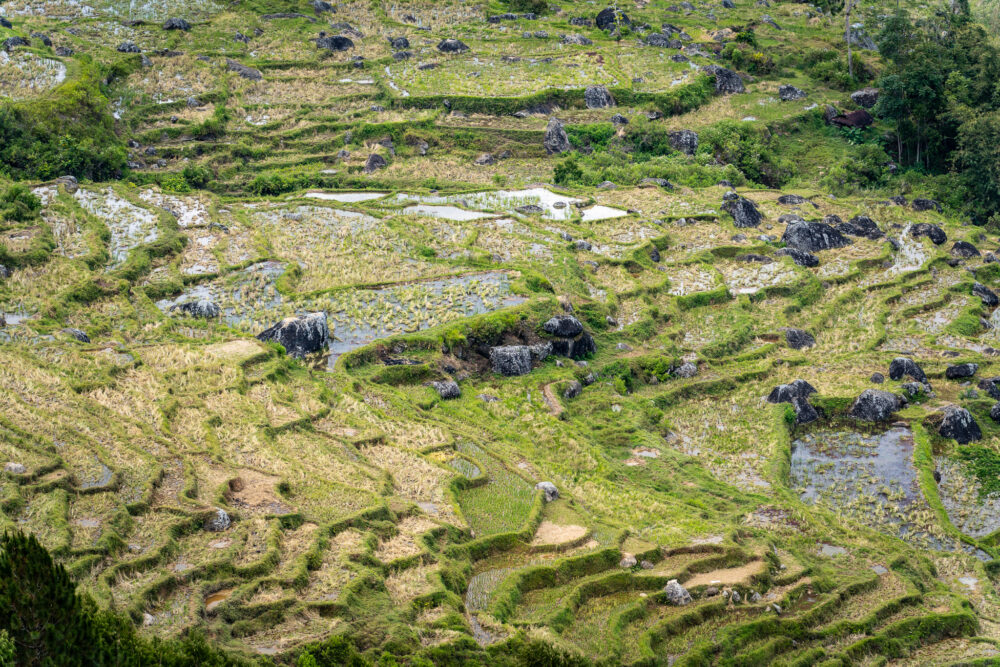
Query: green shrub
{"points": [[18, 204], [866, 168], [68, 131], [747, 58], [748, 148]]}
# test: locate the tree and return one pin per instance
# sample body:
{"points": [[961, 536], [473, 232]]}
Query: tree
{"points": [[39, 607]]}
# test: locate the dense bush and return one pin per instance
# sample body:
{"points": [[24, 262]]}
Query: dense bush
{"points": [[18, 204], [68, 131], [748, 148], [747, 58], [866, 168]]}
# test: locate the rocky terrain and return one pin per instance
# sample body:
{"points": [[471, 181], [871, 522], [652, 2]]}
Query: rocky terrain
{"points": [[448, 328]]}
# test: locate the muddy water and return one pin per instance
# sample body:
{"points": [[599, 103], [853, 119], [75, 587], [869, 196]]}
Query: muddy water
{"points": [[346, 197], [217, 598], [870, 478]]}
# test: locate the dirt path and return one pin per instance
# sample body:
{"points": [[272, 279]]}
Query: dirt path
{"points": [[552, 400]]}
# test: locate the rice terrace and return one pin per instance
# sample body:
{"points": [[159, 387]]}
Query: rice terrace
{"points": [[499, 332]]}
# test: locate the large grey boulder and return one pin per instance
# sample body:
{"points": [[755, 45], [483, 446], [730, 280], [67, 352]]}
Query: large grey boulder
{"points": [[452, 46], [784, 393], [447, 389], [598, 97], [374, 163], [556, 140], [986, 295], [610, 18], [564, 326], [549, 489], [959, 371], [799, 339], [686, 141], [511, 360], [991, 386], [335, 43], [964, 250], [813, 236], [744, 212], [804, 412], [960, 425], [578, 348], [246, 72], [800, 257], [176, 24], [300, 335], [676, 594], [728, 82], [861, 225], [874, 405], [931, 231], [789, 93], [865, 98]]}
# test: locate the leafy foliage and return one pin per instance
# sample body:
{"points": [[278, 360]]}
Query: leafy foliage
{"points": [[69, 131]]}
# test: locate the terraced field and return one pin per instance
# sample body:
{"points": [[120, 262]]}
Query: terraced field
{"points": [[579, 389]]}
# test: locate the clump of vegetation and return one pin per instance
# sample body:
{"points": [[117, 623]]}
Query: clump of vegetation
{"points": [[68, 131], [18, 204]]}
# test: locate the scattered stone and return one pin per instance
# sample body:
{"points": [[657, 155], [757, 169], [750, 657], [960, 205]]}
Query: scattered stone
{"points": [[991, 386], [799, 339], [374, 163], [727, 81], [789, 93], [511, 360], [676, 594], [447, 389], [902, 366], [960, 425], [598, 97], [792, 200], [861, 225], [926, 205], [244, 71], [877, 378], [549, 489], [961, 371], [804, 412], [784, 393], [686, 370], [610, 18], [556, 140], [176, 24], [335, 43], [399, 43], [995, 412], [128, 47], [14, 468], [865, 98], [218, 522], [300, 335], [573, 390], [452, 46], [874, 405], [628, 561], [576, 39]]}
